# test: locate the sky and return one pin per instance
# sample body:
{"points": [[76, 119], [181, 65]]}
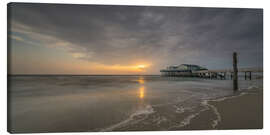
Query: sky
{"points": [[106, 39]]}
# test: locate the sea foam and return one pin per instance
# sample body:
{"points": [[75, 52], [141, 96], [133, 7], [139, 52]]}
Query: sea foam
{"points": [[148, 109]]}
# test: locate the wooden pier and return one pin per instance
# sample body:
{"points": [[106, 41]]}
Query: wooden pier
{"points": [[222, 74], [213, 74]]}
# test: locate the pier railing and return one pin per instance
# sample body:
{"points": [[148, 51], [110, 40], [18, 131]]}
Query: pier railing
{"points": [[231, 70], [222, 73]]}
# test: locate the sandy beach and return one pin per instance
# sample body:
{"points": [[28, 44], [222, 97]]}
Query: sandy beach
{"points": [[244, 110]]}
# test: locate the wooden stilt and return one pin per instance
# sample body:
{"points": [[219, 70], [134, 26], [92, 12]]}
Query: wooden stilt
{"points": [[235, 72]]}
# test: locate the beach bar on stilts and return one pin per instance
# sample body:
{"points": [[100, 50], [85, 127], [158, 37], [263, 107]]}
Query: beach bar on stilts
{"points": [[190, 70]]}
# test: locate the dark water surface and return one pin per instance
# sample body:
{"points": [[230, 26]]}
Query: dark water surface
{"points": [[109, 103]]}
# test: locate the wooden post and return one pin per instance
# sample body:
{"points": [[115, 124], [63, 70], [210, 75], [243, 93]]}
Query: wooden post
{"points": [[235, 72], [245, 75], [250, 75]]}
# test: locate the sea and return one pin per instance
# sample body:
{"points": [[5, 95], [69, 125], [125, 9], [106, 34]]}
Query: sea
{"points": [[90, 103]]}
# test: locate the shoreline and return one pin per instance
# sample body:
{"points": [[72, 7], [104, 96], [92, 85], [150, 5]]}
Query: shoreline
{"points": [[241, 111]]}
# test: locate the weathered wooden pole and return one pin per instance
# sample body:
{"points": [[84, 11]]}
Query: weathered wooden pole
{"points": [[250, 75], [245, 75], [235, 72]]}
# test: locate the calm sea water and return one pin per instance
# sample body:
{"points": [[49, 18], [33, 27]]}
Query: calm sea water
{"points": [[109, 103]]}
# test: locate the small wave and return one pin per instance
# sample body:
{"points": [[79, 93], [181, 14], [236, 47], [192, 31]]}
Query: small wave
{"points": [[182, 109], [206, 106], [147, 110], [179, 109], [216, 121], [160, 119], [253, 87], [187, 120], [132, 118], [227, 97]]}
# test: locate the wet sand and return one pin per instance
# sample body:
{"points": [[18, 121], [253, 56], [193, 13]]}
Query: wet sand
{"points": [[243, 111]]}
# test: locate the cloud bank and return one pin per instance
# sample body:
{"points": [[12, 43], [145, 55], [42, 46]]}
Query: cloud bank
{"points": [[126, 35]]}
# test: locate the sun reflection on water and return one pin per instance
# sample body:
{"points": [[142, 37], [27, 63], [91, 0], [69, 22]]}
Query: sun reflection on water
{"points": [[141, 92], [141, 80], [141, 89]]}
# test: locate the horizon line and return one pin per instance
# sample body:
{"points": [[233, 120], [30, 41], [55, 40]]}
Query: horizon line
{"points": [[84, 74]]}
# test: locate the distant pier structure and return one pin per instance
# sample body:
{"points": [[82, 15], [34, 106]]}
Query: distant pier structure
{"points": [[183, 70], [189, 70]]}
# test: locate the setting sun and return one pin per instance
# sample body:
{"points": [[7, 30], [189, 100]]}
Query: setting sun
{"points": [[141, 66]]}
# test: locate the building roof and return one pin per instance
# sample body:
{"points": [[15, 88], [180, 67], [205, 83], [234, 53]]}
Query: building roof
{"points": [[183, 67]]}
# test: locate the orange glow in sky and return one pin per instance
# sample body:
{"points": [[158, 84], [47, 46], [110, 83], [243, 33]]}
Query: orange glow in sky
{"points": [[124, 68], [141, 66], [117, 69]]}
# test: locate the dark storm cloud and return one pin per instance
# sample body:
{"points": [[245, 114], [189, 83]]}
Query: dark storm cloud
{"points": [[162, 35]]}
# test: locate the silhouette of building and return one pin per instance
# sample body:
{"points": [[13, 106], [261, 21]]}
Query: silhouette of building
{"points": [[181, 70]]}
